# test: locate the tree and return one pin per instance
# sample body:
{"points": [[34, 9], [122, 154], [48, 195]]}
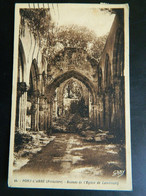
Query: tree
{"points": [[52, 39], [74, 36]]}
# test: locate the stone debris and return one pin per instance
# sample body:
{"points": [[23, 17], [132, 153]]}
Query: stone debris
{"points": [[26, 150], [99, 136], [30, 143], [76, 124], [71, 155]]}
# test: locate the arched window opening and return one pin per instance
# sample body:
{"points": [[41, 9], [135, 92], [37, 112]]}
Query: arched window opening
{"points": [[99, 78], [76, 102], [21, 85], [107, 71], [32, 96], [118, 53], [74, 98], [43, 83]]}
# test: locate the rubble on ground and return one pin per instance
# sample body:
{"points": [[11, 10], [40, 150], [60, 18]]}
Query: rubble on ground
{"points": [[76, 124], [97, 136], [28, 144]]}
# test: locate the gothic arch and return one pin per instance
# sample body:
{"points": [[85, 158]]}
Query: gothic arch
{"points": [[99, 78], [32, 95], [70, 81], [21, 85], [84, 93], [50, 89], [34, 75], [21, 63], [42, 83], [107, 70], [118, 53]]}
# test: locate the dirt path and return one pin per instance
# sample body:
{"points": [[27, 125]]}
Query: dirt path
{"points": [[70, 154]]}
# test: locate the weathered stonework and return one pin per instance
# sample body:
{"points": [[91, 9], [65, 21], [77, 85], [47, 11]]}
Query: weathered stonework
{"points": [[41, 82]]}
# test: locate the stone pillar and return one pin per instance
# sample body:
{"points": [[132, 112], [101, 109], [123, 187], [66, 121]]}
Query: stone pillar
{"points": [[45, 114], [54, 108], [50, 115], [85, 95], [112, 111], [95, 115], [117, 108], [41, 113], [107, 112], [33, 110], [25, 110], [101, 112], [92, 114], [118, 114], [60, 101], [90, 107], [37, 114], [22, 112], [22, 105], [104, 112]]}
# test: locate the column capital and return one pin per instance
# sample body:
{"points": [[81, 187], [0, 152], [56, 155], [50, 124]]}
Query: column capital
{"points": [[21, 88]]}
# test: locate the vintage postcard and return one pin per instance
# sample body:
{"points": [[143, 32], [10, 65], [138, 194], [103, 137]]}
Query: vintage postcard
{"points": [[70, 122]]}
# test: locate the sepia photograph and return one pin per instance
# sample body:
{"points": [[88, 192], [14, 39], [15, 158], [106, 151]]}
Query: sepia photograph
{"points": [[70, 115]]}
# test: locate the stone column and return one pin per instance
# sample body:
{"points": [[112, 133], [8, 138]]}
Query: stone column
{"points": [[92, 114], [107, 111], [101, 112], [60, 101], [95, 115], [49, 115], [41, 113], [98, 113], [90, 107], [54, 108], [117, 111], [112, 111], [45, 114], [104, 112], [22, 112], [22, 105], [37, 114], [33, 110]]}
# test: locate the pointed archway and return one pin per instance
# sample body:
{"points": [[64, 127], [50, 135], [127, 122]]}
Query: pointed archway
{"points": [[21, 89], [32, 98], [50, 92]]}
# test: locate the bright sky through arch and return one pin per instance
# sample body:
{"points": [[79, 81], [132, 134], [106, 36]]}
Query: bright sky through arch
{"points": [[95, 19]]}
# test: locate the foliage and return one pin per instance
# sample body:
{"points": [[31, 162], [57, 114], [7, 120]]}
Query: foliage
{"points": [[72, 90], [21, 139], [52, 39], [39, 23], [74, 36], [79, 107]]}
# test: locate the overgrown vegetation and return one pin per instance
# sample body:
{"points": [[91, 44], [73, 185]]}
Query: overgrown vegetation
{"points": [[21, 139], [79, 107], [52, 38]]}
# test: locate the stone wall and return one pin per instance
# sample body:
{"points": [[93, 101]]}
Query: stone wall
{"points": [[111, 92], [31, 102], [40, 79]]}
